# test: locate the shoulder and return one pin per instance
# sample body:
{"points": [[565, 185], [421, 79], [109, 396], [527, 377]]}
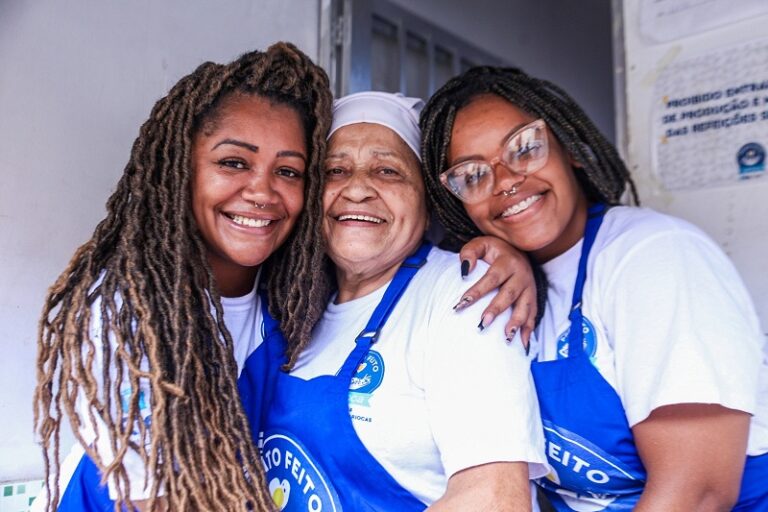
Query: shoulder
{"points": [[643, 237], [630, 225], [442, 272]]}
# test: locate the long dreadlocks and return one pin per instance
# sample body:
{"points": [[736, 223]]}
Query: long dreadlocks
{"points": [[602, 173], [146, 266]]}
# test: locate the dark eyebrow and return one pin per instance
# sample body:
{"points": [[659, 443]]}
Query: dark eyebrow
{"points": [[465, 159], [288, 152], [255, 149], [239, 143], [503, 140], [511, 132]]}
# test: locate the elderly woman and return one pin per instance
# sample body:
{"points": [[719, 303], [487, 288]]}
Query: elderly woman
{"points": [[398, 402]]}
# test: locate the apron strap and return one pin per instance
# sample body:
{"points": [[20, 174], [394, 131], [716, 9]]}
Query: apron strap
{"points": [[394, 291], [595, 216]]}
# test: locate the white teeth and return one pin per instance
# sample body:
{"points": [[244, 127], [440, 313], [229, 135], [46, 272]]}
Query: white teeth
{"points": [[521, 206], [366, 218], [253, 223]]}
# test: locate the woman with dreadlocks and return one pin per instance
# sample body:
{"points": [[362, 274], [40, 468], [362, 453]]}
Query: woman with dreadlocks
{"points": [[143, 336], [650, 355]]}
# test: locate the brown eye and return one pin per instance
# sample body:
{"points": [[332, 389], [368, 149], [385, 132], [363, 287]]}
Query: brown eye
{"points": [[233, 163], [289, 172]]}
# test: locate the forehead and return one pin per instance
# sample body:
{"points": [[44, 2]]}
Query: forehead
{"points": [[368, 136], [489, 109], [245, 109]]}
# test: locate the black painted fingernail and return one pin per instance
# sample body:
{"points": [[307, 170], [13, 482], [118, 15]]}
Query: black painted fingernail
{"points": [[464, 268], [527, 348], [480, 325]]}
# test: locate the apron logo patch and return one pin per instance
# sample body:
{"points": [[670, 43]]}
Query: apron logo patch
{"points": [[579, 464], [367, 378], [296, 483], [589, 336]]}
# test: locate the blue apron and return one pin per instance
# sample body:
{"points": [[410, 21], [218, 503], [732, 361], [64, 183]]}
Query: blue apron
{"points": [[589, 443], [312, 455], [84, 491]]}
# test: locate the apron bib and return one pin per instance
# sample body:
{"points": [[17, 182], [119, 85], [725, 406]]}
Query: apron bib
{"points": [[328, 468], [589, 444]]}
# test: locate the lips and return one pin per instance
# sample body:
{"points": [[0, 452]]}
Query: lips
{"points": [[521, 206], [250, 222], [359, 217]]}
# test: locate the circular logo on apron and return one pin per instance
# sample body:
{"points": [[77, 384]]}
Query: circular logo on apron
{"points": [[296, 482], [589, 336], [369, 374]]}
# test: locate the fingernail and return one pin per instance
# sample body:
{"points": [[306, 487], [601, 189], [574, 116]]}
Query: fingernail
{"points": [[464, 268], [485, 320], [464, 302], [511, 334], [527, 348]]}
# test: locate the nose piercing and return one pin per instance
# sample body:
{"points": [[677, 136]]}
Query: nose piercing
{"points": [[260, 206], [510, 192]]}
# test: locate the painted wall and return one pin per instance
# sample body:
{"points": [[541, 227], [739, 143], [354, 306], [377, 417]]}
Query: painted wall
{"points": [[568, 43], [77, 79]]}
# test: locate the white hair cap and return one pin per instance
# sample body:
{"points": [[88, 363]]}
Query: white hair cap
{"points": [[395, 111]]}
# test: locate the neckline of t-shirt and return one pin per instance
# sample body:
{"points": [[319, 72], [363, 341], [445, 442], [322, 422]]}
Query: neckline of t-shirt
{"points": [[244, 301], [361, 303], [562, 266]]}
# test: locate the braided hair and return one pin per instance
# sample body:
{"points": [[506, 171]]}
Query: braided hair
{"points": [[602, 174], [146, 266]]}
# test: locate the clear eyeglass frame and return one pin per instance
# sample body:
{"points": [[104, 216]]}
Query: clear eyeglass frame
{"points": [[523, 153]]}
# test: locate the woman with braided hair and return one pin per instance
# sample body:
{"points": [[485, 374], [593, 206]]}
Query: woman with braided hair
{"points": [[657, 399], [144, 335]]}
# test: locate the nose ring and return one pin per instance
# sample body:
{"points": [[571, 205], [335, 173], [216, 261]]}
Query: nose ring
{"points": [[510, 192], [260, 206]]}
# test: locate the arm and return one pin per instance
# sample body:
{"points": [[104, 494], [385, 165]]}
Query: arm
{"points": [[694, 455], [494, 487], [687, 359], [511, 273], [483, 411]]}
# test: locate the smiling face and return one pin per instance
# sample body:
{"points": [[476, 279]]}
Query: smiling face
{"points": [[374, 203], [546, 215], [248, 185]]}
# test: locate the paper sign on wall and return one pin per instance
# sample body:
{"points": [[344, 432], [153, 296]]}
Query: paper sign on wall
{"points": [[710, 118], [667, 20]]}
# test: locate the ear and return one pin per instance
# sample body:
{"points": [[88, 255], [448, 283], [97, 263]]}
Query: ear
{"points": [[575, 163]]}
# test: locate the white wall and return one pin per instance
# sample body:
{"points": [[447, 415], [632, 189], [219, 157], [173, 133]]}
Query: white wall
{"points": [[735, 215], [566, 42], [77, 78]]}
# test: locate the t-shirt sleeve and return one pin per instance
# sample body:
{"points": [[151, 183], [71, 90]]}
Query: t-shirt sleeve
{"points": [[479, 392], [683, 327], [94, 430]]}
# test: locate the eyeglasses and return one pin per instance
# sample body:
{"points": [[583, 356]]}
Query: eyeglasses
{"points": [[523, 153]]}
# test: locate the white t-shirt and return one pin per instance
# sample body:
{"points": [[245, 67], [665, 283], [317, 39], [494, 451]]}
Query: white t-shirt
{"points": [[443, 396], [668, 319], [243, 318]]}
